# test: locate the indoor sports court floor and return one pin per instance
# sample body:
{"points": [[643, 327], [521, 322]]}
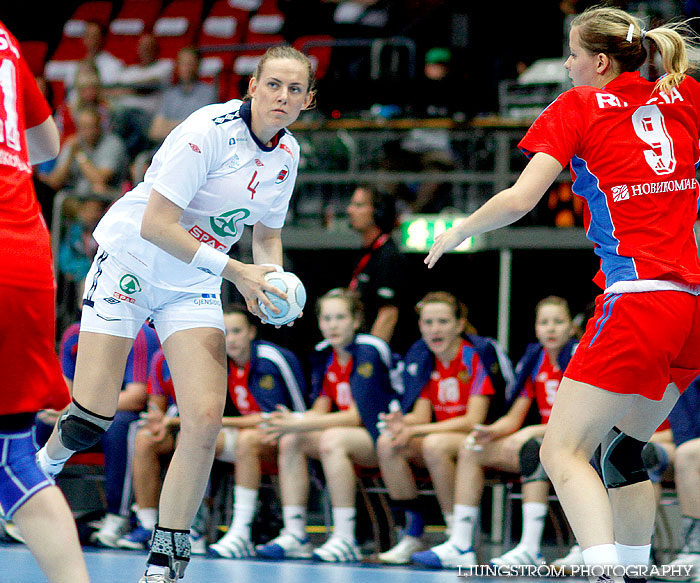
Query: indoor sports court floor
{"points": [[18, 566]]}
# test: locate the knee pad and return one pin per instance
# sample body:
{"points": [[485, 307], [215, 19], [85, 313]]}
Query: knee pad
{"points": [[655, 461], [80, 429], [531, 469], [228, 452], [621, 461]]}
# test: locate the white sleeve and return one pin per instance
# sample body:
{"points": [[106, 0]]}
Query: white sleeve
{"points": [[276, 215], [186, 165]]}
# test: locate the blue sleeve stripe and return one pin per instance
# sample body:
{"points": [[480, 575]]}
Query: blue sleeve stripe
{"points": [[379, 344]]}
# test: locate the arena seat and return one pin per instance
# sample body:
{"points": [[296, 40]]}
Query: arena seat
{"points": [[224, 25], [135, 18], [318, 49], [177, 26], [265, 26]]}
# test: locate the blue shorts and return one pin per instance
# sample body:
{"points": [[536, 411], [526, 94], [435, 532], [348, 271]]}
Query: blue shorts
{"points": [[20, 477]]}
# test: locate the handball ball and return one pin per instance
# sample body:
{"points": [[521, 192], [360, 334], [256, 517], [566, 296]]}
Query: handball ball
{"points": [[292, 306]]}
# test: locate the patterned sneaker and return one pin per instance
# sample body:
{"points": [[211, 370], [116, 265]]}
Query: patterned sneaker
{"points": [[573, 559], [338, 549], [232, 546], [112, 529], [198, 544], [682, 560], [518, 556], [445, 555], [137, 540], [167, 577], [400, 554], [285, 546]]}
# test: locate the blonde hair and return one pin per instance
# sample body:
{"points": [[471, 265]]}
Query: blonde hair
{"points": [[553, 301], [458, 308], [286, 52], [605, 30], [351, 297]]}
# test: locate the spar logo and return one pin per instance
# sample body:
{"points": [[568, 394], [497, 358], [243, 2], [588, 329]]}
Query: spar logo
{"points": [[129, 284], [226, 225]]}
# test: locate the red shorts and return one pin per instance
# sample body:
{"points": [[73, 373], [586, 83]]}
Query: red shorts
{"points": [[31, 374], [638, 343]]}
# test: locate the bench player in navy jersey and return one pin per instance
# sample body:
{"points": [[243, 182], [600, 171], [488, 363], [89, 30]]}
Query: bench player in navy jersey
{"points": [[163, 253], [632, 145]]}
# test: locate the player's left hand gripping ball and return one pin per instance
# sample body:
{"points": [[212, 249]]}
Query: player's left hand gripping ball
{"points": [[291, 308]]}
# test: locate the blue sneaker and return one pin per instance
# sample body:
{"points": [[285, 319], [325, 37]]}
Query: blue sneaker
{"points": [[138, 539], [445, 555], [286, 546]]}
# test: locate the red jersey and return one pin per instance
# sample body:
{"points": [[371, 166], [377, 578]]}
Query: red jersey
{"points": [[336, 384], [542, 385], [25, 253], [238, 389], [633, 154], [450, 386]]}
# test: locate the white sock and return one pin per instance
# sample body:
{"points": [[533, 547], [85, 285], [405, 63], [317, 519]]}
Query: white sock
{"points": [[463, 526], [155, 570], [633, 555], [147, 517], [295, 520], [534, 514], [601, 555], [245, 501], [344, 523], [449, 520]]}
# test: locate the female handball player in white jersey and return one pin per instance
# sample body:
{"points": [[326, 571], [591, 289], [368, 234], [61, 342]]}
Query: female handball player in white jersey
{"points": [[632, 145], [163, 253]]}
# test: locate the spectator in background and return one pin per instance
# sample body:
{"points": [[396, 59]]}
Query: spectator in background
{"points": [[87, 91], [77, 248], [91, 161], [138, 94], [186, 96], [436, 92], [108, 66], [379, 273]]}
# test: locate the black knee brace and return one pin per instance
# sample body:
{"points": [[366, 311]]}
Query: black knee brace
{"points": [[80, 428], [531, 469], [621, 461]]}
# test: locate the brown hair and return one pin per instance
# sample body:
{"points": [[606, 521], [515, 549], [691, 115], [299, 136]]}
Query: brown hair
{"points": [[351, 297], [459, 308], [286, 52], [605, 30], [553, 301]]}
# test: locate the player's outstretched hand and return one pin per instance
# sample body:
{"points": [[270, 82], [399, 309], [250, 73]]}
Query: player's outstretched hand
{"points": [[250, 281], [444, 242]]}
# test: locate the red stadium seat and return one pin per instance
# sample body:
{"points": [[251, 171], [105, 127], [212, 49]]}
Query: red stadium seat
{"points": [[177, 26], [34, 52], [135, 18], [318, 49], [224, 25], [265, 26]]}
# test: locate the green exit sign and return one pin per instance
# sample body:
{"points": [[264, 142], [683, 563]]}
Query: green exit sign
{"points": [[418, 232]]}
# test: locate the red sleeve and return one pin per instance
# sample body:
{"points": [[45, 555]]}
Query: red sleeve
{"points": [[36, 108], [558, 130]]}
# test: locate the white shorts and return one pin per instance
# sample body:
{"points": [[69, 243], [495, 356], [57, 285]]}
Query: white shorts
{"points": [[117, 302]]}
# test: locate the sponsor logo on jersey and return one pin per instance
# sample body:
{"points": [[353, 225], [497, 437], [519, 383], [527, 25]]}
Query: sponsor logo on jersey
{"points": [[267, 382], [129, 284], [463, 376], [117, 297], [620, 193], [259, 162], [226, 225], [285, 147], [412, 369], [282, 175], [365, 369], [195, 147], [232, 141], [226, 117], [625, 191], [205, 237], [233, 162], [207, 300], [331, 377]]}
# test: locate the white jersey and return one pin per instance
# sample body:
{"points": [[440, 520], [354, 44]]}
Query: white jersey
{"points": [[222, 176]]}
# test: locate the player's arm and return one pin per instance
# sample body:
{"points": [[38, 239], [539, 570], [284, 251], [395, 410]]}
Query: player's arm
{"points": [[504, 208], [161, 226], [384, 324], [476, 413], [267, 245], [242, 421], [43, 141], [133, 397]]}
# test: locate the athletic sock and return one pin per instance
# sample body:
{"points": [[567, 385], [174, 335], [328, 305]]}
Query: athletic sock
{"points": [[245, 501], [633, 555], [344, 523], [295, 520], [601, 555], [534, 514], [463, 526], [147, 517]]}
